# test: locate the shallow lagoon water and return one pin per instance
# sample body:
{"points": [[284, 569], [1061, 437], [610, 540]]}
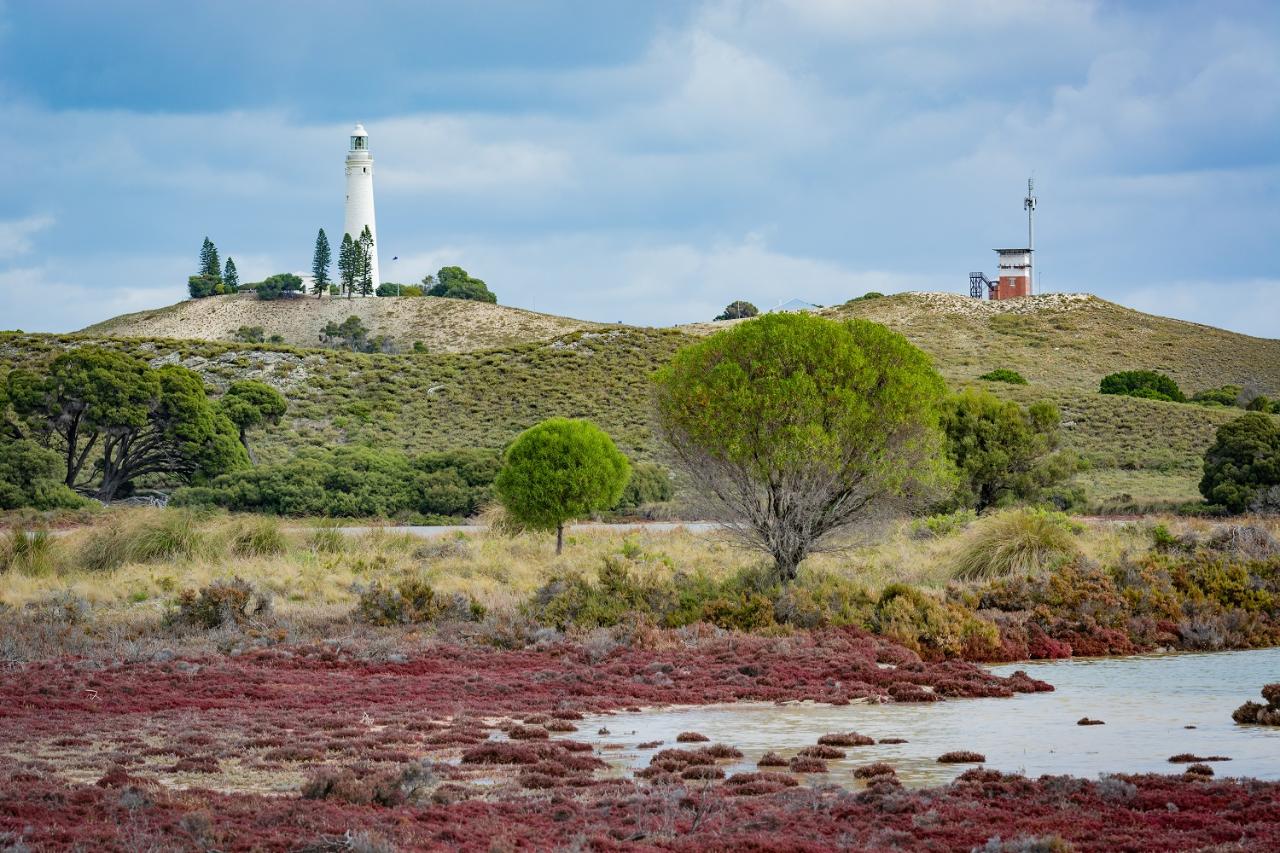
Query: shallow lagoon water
{"points": [[1146, 702]]}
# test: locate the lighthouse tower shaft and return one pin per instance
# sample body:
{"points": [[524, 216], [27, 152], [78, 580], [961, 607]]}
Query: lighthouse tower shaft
{"points": [[359, 207]]}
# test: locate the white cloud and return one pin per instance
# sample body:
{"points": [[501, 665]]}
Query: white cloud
{"points": [[641, 280], [16, 234], [462, 154], [877, 145]]}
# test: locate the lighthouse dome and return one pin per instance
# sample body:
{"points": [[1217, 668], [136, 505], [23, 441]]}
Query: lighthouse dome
{"points": [[359, 131]]}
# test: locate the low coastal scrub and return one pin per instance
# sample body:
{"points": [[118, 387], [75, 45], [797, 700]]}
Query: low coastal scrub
{"points": [[625, 590], [356, 482], [413, 601], [1095, 590], [222, 603]]}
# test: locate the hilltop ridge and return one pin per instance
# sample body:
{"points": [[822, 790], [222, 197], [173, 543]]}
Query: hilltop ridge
{"points": [[442, 325]]}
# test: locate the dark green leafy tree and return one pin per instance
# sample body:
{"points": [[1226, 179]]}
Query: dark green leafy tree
{"points": [[794, 427], [365, 245], [280, 285], [1242, 467], [1004, 453], [209, 263], [738, 310], [116, 420], [560, 470], [31, 475], [320, 259], [249, 403], [200, 286], [348, 265], [456, 283], [231, 277], [350, 334], [1226, 395], [21, 394], [1146, 384], [10, 429]]}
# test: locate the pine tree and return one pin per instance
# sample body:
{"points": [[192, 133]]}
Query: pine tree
{"points": [[347, 262], [209, 263], [366, 262], [320, 265], [231, 277]]}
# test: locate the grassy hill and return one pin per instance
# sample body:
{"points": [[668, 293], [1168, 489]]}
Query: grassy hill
{"points": [[1064, 344], [1141, 452], [442, 325]]}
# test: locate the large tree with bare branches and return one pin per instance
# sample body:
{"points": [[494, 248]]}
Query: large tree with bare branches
{"points": [[795, 427], [115, 420]]}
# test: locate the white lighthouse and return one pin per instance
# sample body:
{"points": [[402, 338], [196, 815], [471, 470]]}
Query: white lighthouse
{"points": [[359, 210]]}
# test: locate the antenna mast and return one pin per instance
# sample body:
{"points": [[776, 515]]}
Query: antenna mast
{"points": [[1029, 204]]}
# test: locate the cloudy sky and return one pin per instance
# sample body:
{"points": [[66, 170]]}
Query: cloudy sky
{"points": [[647, 161]]}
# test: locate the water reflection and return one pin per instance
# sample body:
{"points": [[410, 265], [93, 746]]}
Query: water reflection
{"points": [[1147, 703]]}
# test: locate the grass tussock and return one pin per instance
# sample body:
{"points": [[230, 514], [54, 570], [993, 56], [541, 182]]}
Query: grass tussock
{"points": [[327, 539], [1016, 542], [259, 537], [27, 552], [166, 536], [172, 536]]}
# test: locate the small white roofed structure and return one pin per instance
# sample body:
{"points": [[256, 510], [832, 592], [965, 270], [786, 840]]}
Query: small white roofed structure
{"points": [[795, 305]]}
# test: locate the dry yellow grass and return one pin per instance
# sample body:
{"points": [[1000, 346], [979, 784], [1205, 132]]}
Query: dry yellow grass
{"points": [[311, 577]]}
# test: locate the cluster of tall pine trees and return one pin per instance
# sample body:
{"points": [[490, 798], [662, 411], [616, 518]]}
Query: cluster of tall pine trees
{"points": [[355, 265], [213, 279], [355, 269]]}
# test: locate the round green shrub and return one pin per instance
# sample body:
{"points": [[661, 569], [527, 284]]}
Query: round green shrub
{"points": [[1146, 384], [560, 470], [1242, 467]]}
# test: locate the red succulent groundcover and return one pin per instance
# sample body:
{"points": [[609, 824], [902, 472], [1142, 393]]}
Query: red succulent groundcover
{"points": [[387, 754]]}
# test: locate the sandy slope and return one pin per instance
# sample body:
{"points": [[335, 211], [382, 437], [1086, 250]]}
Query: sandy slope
{"points": [[443, 325]]}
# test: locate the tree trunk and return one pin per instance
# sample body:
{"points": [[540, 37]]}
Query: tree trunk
{"points": [[559, 538], [110, 485], [72, 469], [786, 562], [244, 440]]}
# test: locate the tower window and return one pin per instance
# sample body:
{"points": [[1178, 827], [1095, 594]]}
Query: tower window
{"points": [[366, 170]]}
